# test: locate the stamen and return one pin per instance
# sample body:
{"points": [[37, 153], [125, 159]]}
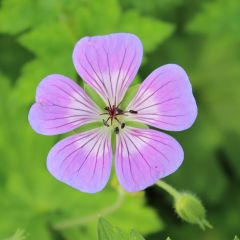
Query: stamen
{"points": [[119, 111], [118, 120], [105, 122], [113, 112], [110, 107], [116, 130], [133, 111]]}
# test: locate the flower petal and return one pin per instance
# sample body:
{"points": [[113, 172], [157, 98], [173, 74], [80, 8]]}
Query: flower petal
{"points": [[165, 100], [83, 161], [108, 63], [61, 105], [143, 156]]}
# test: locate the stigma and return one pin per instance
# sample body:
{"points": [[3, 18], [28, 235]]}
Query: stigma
{"points": [[114, 116]]}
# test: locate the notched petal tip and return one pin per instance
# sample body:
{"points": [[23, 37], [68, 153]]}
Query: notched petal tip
{"points": [[108, 63], [61, 106]]}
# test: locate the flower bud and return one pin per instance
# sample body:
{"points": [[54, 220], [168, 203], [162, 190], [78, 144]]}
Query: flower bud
{"points": [[190, 209]]}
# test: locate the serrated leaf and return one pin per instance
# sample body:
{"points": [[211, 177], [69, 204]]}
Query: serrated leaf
{"points": [[35, 13], [106, 231]]}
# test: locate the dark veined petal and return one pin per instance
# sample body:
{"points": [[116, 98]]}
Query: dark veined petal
{"points": [[61, 106], [143, 156], [83, 161], [108, 63], [165, 100]]}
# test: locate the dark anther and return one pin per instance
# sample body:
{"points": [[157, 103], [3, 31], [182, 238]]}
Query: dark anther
{"points": [[106, 108], [119, 111], [116, 130], [122, 125], [132, 111], [105, 123]]}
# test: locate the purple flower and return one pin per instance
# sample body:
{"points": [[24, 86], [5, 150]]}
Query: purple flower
{"points": [[109, 64]]}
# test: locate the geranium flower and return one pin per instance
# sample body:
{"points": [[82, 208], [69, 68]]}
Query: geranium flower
{"points": [[109, 64]]}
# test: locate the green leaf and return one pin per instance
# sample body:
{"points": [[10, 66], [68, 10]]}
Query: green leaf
{"points": [[11, 17], [52, 40], [210, 20], [35, 13], [144, 27], [18, 235], [106, 231], [137, 212], [154, 8], [134, 235]]}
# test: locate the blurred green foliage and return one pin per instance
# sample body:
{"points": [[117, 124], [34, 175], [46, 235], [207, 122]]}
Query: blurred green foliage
{"points": [[107, 231], [37, 39]]}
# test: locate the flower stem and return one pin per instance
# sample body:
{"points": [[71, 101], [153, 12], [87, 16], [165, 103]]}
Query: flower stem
{"points": [[168, 188], [75, 222]]}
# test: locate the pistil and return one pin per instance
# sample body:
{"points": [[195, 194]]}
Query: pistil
{"points": [[113, 112]]}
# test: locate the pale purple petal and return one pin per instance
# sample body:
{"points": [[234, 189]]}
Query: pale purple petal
{"points": [[143, 156], [83, 161], [165, 100], [108, 63], [61, 106]]}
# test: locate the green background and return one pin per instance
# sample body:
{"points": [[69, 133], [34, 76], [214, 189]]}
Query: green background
{"points": [[37, 38]]}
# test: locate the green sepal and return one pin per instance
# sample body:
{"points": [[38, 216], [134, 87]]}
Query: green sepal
{"points": [[94, 96], [137, 124], [88, 126], [131, 92], [113, 141]]}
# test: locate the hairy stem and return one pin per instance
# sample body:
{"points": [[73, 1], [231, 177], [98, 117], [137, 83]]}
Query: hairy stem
{"points": [[168, 188]]}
